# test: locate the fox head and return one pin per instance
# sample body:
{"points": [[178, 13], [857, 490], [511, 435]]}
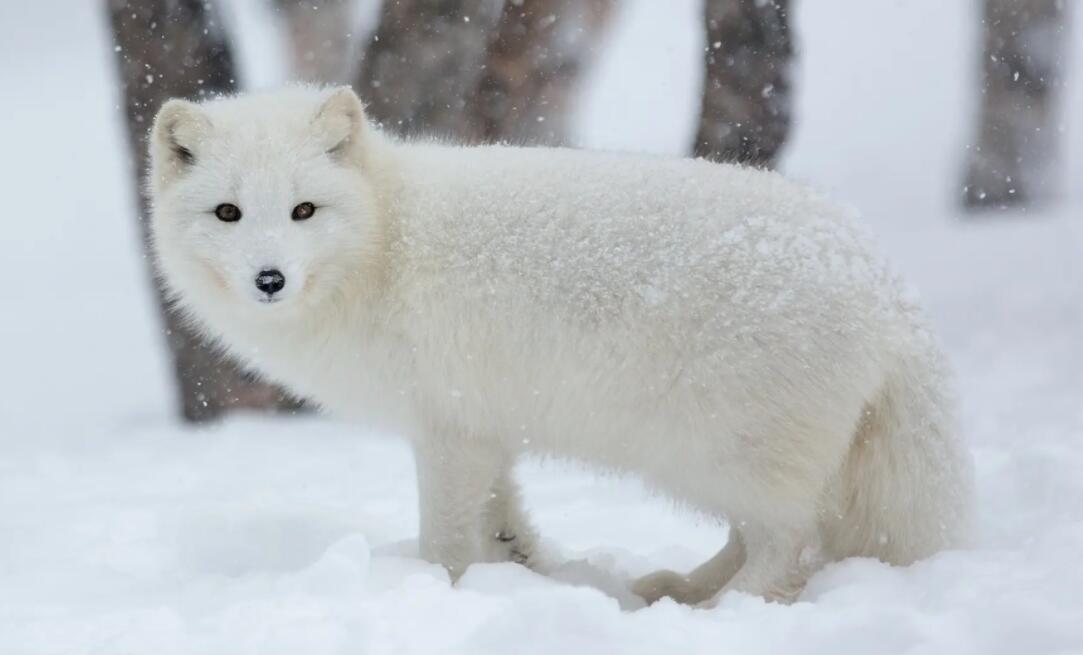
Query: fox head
{"points": [[263, 204]]}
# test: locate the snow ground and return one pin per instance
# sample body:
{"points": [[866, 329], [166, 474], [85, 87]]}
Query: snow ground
{"points": [[123, 532]]}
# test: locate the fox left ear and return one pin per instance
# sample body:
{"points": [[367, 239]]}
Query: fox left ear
{"points": [[179, 131], [340, 124]]}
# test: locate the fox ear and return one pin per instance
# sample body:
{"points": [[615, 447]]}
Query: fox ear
{"points": [[339, 125], [179, 130]]}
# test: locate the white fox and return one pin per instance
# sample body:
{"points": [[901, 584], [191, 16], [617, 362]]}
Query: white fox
{"points": [[722, 332]]}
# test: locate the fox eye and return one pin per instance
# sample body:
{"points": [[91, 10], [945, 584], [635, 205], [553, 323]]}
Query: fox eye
{"points": [[303, 211], [227, 212]]}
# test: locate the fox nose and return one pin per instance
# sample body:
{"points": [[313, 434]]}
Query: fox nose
{"points": [[270, 281]]}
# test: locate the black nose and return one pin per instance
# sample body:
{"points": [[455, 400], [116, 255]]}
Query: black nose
{"points": [[270, 281]]}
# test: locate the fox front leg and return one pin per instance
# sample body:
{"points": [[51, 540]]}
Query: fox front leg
{"points": [[508, 535], [455, 481]]}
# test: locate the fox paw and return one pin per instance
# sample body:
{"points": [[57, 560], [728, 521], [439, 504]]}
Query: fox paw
{"points": [[508, 546]]}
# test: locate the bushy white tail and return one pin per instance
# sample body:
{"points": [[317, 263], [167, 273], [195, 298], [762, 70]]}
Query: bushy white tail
{"points": [[905, 491]]}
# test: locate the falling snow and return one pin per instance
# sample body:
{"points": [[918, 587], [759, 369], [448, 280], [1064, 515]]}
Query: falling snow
{"points": [[122, 532]]}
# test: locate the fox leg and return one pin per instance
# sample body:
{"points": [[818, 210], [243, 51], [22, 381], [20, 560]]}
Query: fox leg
{"points": [[455, 486], [507, 533]]}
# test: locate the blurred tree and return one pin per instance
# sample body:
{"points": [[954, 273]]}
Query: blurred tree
{"points": [[480, 70], [746, 91], [1023, 46], [533, 61], [423, 61], [166, 49], [320, 35]]}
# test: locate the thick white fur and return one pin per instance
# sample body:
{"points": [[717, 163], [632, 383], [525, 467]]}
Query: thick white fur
{"points": [[722, 332]]}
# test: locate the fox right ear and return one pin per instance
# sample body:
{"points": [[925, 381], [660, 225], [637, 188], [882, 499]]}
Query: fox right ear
{"points": [[179, 130], [339, 124]]}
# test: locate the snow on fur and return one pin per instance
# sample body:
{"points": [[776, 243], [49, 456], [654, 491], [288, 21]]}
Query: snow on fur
{"points": [[720, 331]]}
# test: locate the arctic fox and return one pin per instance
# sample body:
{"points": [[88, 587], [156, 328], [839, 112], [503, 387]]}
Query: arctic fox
{"points": [[724, 333]]}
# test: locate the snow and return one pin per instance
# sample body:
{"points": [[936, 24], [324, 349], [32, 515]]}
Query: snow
{"points": [[124, 532]]}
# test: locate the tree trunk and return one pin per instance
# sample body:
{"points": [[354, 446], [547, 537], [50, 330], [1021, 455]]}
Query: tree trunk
{"points": [[1023, 43], [165, 49], [423, 61], [533, 62], [320, 36], [746, 92]]}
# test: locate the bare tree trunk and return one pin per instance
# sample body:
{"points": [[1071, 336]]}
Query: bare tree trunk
{"points": [[423, 62], [1023, 43], [320, 36], [534, 60], [164, 49], [746, 93]]}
